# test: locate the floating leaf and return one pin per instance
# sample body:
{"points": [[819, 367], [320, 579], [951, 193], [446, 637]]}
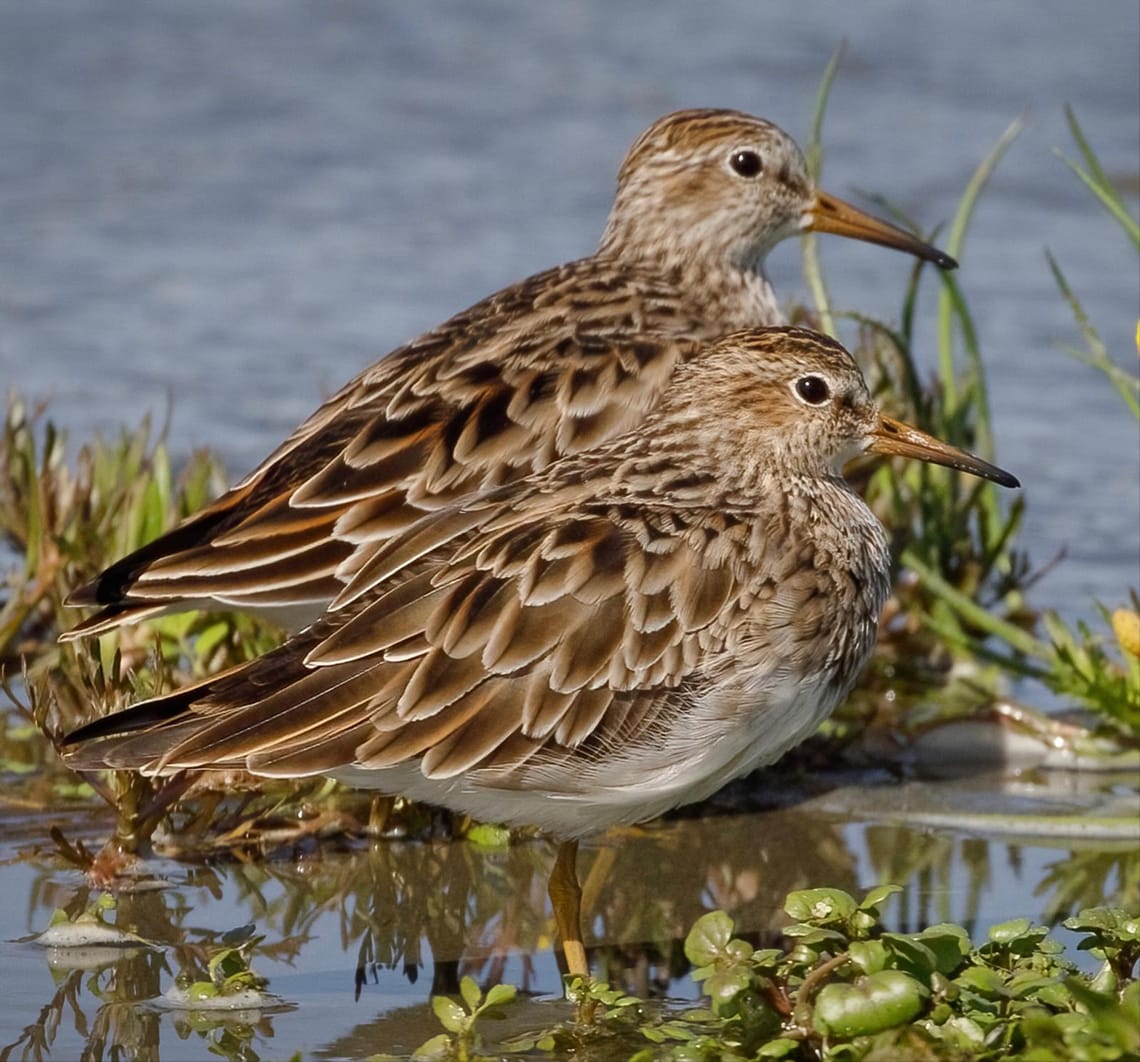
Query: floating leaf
{"points": [[820, 905]]}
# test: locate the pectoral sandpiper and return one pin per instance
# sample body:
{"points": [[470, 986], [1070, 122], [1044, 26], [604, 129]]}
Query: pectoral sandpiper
{"points": [[614, 635]]}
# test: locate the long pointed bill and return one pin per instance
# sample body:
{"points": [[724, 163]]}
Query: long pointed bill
{"points": [[830, 214], [901, 440]]}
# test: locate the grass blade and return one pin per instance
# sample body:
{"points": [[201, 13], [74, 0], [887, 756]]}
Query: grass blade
{"points": [[1096, 180], [813, 272], [947, 304]]}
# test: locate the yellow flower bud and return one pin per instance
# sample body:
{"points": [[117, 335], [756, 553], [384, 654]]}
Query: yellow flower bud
{"points": [[1126, 624]]}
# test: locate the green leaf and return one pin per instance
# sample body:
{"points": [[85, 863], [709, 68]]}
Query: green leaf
{"points": [[869, 955], [708, 938], [1111, 1018], [1097, 181], [725, 985], [870, 1005], [962, 1033], [950, 944], [783, 1047], [1007, 932], [1113, 920], [910, 954], [981, 979], [438, 1047], [488, 835], [951, 305], [820, 905], [500, 995], [813, 935], [450, 1014], [469, 990], [875, 897], [813, 151]]}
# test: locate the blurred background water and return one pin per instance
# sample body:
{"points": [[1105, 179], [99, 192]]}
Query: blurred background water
{"points": [[225, 210]]}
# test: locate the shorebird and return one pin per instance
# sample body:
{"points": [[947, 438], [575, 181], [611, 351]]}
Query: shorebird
{"points": [[506, 387], [614, 635]]}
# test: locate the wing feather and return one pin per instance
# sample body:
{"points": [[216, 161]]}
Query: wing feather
{"points": [[534, 618], [547, 367]]}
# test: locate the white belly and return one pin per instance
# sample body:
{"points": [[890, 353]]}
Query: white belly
{"points": [[717, 742]]}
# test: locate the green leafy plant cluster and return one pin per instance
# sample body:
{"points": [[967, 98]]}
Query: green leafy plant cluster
{"points": [[228, 971], [462, 1040], [969, 581], [846, 989], [849, 989]]}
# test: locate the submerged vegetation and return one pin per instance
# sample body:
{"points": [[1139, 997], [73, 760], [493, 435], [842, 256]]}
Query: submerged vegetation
{"points": [[844, 987]]}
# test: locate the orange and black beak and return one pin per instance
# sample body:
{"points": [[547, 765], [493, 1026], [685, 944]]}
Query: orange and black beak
{"points": [[894, 438], [830, 214]]}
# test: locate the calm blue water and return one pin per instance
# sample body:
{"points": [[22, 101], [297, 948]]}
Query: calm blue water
{"points": [[228, 209]]}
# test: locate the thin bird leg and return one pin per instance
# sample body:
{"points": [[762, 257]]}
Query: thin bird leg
{"points": [[566, 899]]}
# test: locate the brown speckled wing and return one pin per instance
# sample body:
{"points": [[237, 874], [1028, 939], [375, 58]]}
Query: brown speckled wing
{"points": [[481, 645], [496, 393]]}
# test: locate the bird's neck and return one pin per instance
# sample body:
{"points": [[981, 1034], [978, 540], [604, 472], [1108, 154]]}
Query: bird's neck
{"points": [[726, 294], [733, 298]]}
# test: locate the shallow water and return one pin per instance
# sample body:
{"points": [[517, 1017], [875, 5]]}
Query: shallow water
{"points": [[358, 936], [228, 210]]}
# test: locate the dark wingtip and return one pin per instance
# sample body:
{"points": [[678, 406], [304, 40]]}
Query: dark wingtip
{"points": [[942, 259], [112, 586], [141, 716]]}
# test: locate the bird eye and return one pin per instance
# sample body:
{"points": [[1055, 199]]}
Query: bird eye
{"points": [[746, 163], [813, 390]]}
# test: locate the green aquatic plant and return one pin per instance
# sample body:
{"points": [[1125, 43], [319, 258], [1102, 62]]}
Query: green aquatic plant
{"points": [[228, 972], [844, 988], [1093, 669], [462, 1040]]}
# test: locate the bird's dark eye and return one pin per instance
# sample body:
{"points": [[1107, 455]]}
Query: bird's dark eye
{"points": [[746, 163], [813, 390]]}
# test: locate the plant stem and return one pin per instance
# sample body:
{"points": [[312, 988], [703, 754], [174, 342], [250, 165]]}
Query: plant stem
{"points": [[947, 305], [813, 272]]}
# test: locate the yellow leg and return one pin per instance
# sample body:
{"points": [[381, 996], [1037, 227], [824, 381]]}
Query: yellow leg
{"points": [[566, 899]]}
